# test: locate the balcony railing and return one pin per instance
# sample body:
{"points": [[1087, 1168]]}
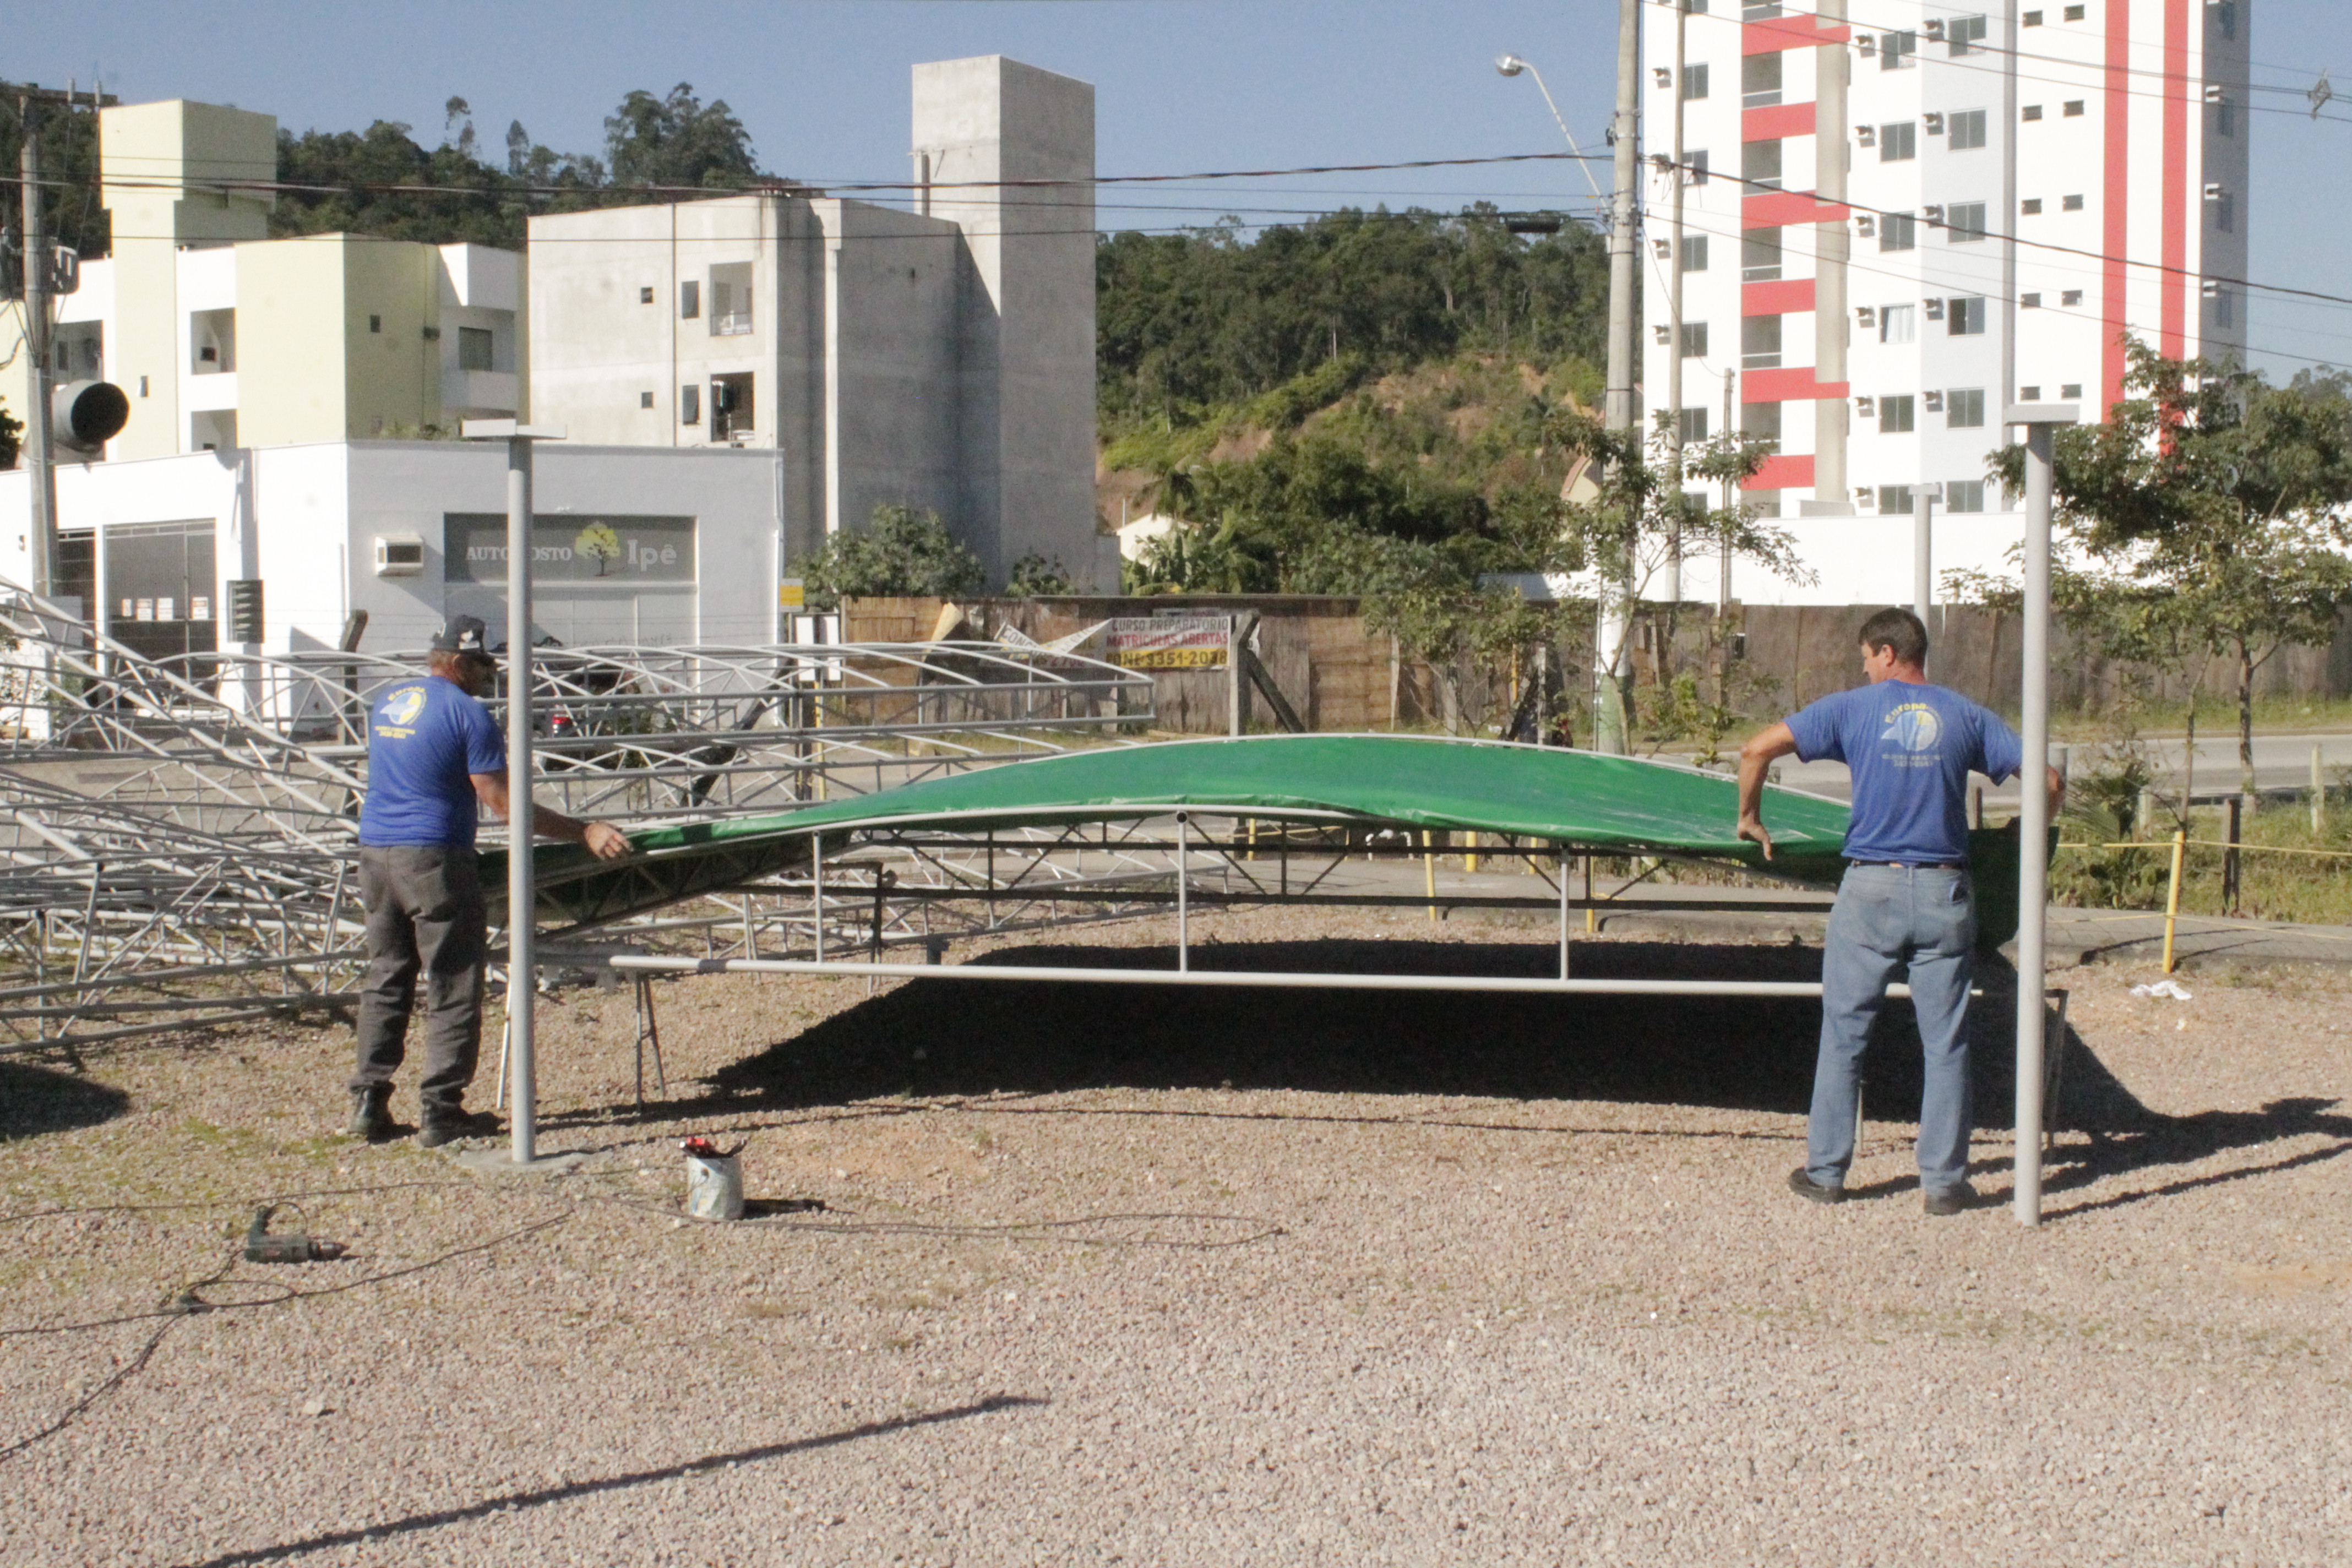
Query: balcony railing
{"points": [[730, 324]]}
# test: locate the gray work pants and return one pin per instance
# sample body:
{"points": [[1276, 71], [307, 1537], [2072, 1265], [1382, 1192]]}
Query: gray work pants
{"points": [[425, 914], [1920, 922]]}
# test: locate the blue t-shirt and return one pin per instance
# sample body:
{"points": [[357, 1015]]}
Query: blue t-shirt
{"points": [[425, 737], [1910, 749]]}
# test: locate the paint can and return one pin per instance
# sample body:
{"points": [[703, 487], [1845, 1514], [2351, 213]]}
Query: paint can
{"points": [[714, 1186]]}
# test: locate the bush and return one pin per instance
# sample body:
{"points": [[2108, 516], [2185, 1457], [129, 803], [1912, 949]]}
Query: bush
{"points": [[902, 554]]}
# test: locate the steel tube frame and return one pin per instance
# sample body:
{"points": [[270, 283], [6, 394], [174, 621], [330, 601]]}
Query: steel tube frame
{"points": [[1231, 978]]}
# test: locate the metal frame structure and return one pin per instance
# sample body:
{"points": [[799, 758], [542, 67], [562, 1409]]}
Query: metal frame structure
{"points": [[178, 836]]}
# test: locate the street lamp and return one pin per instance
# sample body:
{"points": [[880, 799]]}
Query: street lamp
{"points": [[1511, 65]]}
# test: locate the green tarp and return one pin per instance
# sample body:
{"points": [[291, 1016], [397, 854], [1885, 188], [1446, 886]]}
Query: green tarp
{"points": [[1579, 800]]}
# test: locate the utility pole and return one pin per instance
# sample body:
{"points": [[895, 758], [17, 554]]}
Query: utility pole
{"points": [[1923, 534], [1674, 583], [1612, 729], [43, 540]]}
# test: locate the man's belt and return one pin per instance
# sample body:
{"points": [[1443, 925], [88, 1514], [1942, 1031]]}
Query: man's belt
{"points": [[1918, 865]]}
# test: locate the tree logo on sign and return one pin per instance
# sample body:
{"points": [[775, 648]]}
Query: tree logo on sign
{"points": [[601, 544]]}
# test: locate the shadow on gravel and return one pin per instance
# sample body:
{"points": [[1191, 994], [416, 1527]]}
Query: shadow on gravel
{"points": [[951, 1038], [334, 1539], [36, 1100]]}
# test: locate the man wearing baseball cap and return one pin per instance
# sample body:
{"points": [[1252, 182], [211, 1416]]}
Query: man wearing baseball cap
{"points": [[434, 754]]}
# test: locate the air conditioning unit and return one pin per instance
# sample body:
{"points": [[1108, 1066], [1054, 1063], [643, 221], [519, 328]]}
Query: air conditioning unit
{"points": [[1866, 134], [1662, 248], [1865, 224], [399, 555], [1935, 310], [1935, 124], [1933, 213], [1666, 77], [2213, 95], [1869, 43], [1936, 28], [2211, 288], [1665, 335], [1864, 315], [1866, 406], [2214, 192], [1935, 402]]}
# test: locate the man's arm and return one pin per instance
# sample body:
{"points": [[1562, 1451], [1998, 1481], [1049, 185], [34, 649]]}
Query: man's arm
{"points": [[2057, 793], [602, 839], [1769, 747]]}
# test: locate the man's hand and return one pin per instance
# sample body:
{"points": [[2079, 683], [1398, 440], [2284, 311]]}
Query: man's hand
{"points": [[1752, 828], [605, 841], [1755, 759]]}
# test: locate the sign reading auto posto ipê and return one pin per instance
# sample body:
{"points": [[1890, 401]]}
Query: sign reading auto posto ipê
{"points": [[572, 549]]}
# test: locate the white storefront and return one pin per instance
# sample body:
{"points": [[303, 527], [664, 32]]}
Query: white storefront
{"points": [[634, 544]]}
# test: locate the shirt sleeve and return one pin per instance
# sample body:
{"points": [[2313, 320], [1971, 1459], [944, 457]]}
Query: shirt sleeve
{"points": [[1816, 730], [2000, 755], [485, 749]]}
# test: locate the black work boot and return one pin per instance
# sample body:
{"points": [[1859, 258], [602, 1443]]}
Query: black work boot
{"points": [[446, 1123], [371, 1113]]}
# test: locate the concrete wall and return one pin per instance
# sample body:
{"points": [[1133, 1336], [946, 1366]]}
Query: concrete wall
{"points": [[1029, 343]]}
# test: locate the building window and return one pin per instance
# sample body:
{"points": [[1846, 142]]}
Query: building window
{"points": [[1897, 231], [1898, 324], [1963, 495], [1693, 82], [1896, 49], [1965, 318], [1695, 167], [2225, 310], [2072, 389], [2029, 301], [690, 403], [1694, 339], [1760, 343], [689, 301], [1895, 415], [1693, 426], [2071, 108], [2031, 207], [1968, 130], [645, 400], [1963, 31], [1694, 253], [2070, 204], [1967, 220], [1759, 80], [646, 295], [2031, 112], [1893, 498], [2028, 395], [1760, 165], [2032, 18], [2225, 212], [1758, 10], [1760, 255], [2071, 296], [375, 323], [474, 348], [2226, 14], [731, 300], [1761, 422], [2072, 14], [2225, 117], [1964, 408], [1899, 142]]}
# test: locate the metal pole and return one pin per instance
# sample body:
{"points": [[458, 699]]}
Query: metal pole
{"points": [[522, 896], [1923, 526], [1559, 860], [816, 878], [522, 901], [2033, 801], [2318, 796], [37, 458], [1610, 721], [1673, 589], [1183, 902]]}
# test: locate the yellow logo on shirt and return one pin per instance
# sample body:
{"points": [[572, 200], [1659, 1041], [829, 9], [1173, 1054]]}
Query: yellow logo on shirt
{"points": [[1914, 727], [404, 705]]}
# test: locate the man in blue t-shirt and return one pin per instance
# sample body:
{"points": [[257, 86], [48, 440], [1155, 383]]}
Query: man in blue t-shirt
{"points": [[434, 754], [1905, 900]]}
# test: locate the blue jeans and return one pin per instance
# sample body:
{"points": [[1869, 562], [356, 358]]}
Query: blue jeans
{"points": [[1888, 918]]}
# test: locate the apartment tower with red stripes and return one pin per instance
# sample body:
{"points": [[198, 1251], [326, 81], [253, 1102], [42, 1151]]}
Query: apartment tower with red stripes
{"points": [[1899, 218]]}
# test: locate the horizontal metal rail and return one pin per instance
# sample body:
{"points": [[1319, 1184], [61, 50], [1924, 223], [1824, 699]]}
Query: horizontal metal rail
{"points": [[1229, 978]]}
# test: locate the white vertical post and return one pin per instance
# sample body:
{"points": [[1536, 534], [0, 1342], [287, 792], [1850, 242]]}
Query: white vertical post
{"points": [[522, 891], [1923, 532], [1183, 902], [2040, 420]]}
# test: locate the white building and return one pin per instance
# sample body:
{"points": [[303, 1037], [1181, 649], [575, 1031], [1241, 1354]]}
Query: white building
{"points": [[941, 357], [1902, 217], [632, 545], [221, 337]]}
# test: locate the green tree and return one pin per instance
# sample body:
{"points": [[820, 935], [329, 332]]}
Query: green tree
{"points": [[678, 140], [2209, 505], [903, 552], [11, 438], [70, 209]]}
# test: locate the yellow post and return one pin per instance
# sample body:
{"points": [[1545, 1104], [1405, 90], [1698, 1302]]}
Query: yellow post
{"points": [[1429, 868], [1470, 861], [2172, 899]]}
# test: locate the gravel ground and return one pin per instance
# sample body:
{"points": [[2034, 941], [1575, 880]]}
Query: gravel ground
{"points": [[1126, 1276]]}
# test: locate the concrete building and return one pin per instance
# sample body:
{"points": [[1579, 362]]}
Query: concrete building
{"points": [[634, 546], [221, 337], [1900, 223], [938, 357]]}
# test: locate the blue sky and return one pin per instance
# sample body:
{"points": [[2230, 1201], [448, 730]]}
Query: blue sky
{"points": [[1182, 85]]}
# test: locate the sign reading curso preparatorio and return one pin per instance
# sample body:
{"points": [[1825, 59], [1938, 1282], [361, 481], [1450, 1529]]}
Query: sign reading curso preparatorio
{"points": [[573, 548]]}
